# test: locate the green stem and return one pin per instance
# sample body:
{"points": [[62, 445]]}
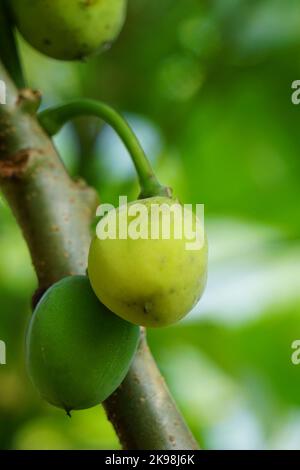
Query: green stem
{"points": [[53, 119], [8, 48]]}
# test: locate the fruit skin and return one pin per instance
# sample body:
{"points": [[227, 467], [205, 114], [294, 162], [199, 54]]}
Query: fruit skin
{"points": [[152, 283], [77, 351], [69, 29]]}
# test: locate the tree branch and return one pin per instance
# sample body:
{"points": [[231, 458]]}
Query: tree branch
{"points": [[54, 214]]}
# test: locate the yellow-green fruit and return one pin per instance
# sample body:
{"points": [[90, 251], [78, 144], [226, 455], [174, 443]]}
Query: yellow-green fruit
{"points": [[69, 29], [77, 351], [149, 282]]}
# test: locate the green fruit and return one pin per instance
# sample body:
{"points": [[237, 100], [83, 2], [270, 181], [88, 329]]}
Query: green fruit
{"points": [[77, 351], [149, 282], [69, 29]]}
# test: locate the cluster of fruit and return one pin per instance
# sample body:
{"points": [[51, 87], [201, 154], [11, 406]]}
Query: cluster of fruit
{"points": [[85, 329]]}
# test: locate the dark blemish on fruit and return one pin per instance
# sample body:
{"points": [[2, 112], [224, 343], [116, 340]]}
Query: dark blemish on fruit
{"points": [[47, 42], [129, 305]]}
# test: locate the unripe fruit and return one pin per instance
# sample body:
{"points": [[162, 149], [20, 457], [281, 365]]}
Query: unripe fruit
{"points": [[77, 351], [149, 282], [69, 29]]}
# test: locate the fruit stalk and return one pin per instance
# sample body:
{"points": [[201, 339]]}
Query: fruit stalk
{"points": [[53, 119], [54, 214]]}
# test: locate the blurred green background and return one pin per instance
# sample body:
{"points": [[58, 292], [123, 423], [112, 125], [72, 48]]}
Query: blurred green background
{"points": [[207, 87]]}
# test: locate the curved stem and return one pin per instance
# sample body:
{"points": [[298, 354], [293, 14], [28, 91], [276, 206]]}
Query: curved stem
{"points": [[8, 48], [53, 119]]}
